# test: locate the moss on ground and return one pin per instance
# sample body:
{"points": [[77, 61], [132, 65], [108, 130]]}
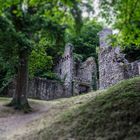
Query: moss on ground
{"points": [[110, 116]]}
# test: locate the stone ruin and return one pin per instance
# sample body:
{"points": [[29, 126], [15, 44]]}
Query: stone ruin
{"points": [[85, 76], [75, 78], [81, 77], [78, 77], [113, 66], [40, 88], [64, 68]]}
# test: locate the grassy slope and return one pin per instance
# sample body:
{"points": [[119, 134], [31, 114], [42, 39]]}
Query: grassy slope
{"points": [[104, 115], [110, 116], [15, 125]]}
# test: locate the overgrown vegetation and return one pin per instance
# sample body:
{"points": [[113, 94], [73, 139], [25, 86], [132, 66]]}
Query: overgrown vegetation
{"points": [[124, 15], [41, 29], [132, 53], [35, 31], [106, 114], [87, 42], [33, 34], [112, 115]]}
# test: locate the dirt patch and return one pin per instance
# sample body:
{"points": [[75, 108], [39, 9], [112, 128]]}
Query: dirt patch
{"points": [[15, 125]]}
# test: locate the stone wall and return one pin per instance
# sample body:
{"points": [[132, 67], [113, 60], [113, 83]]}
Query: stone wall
{"points": [[113, 66], [41, 88], [132, 69], [85, 76], [78, 77], [74, 80], [64, 68], [87, 70]]}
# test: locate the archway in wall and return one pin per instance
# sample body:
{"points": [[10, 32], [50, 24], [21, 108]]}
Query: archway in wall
{"points": [[83, 88]]}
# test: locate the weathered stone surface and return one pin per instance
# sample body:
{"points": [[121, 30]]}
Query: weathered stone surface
{"points": [[110, 71], [139, 67], [85, 76], [78, 77], [104, 37], [75, 80], [81, 77], [64, 68], [41, 88], [113, 66], [131, 69]]}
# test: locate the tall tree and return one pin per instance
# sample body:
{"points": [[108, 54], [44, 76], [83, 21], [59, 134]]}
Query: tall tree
{"points": [[24, 23]]}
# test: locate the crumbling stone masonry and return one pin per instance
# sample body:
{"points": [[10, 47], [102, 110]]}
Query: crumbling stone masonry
{"points": [[64, 68], [113, 66], [81, 77], [73, 80], [78, 77], [85, 76], [40, 88]]}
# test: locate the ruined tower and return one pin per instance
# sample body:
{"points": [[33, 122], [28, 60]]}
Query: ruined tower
{"points": [[64, 68], [77, 80], [113, 66], [110, 72]]}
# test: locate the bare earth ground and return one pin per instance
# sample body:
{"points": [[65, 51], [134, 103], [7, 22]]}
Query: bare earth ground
{"points": [[15, 125]]}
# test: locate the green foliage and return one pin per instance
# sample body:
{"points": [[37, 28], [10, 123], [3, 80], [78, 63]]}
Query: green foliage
{"points": [[38, 27], [8, 58], [39, 61], [125, 16], [132, 53], [87, 41]]}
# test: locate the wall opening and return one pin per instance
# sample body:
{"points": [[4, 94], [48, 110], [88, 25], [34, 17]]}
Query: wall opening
{"points": [[84, 89], [132, 53]]}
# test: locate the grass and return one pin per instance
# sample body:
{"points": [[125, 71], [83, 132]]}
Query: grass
{"points": [[103, 115], [45, 113], [110, 116]]}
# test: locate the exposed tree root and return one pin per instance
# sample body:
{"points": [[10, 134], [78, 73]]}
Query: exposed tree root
{"points": [[20, 104]]}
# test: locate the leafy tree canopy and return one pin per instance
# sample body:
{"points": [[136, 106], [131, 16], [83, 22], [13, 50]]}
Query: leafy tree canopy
{"points": [[125, 16], [86, 43], [37, 26]]}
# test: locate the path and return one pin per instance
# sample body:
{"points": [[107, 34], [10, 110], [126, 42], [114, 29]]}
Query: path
{"points": [[15, 125]]}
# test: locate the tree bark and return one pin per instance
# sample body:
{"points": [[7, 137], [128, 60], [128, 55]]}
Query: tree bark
{"points": [[19, 100]]}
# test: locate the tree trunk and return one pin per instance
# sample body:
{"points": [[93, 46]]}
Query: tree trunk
{"points": [[19, 100]]}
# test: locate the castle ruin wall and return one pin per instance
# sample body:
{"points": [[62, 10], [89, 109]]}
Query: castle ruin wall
{"points": [[113, 67]]}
